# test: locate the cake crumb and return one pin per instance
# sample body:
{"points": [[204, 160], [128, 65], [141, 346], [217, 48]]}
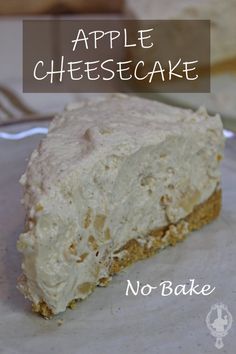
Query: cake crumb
{"points": [[60, 322], [72, 304]]}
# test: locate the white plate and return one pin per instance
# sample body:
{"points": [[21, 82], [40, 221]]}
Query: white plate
{"points": [[108, 321]]}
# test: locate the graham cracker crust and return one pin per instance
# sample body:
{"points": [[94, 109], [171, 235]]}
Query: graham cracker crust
{"points": [[169, 235], [134, 251], [225, 66]]}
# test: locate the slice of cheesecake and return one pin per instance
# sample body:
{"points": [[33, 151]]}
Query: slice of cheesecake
{"points": [[220, 13], [113, 182]]}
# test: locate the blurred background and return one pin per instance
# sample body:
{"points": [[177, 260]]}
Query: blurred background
{"points": [[16, 105]]}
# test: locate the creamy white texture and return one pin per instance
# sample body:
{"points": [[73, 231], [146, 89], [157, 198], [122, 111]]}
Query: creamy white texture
{"points": [[221, 13], [106, 173]]}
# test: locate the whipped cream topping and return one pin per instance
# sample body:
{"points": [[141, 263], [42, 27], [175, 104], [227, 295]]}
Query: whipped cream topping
{"points": [[106, 173]]}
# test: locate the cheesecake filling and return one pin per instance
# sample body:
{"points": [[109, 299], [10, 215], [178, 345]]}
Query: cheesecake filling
{"points": [[69, 245]]}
